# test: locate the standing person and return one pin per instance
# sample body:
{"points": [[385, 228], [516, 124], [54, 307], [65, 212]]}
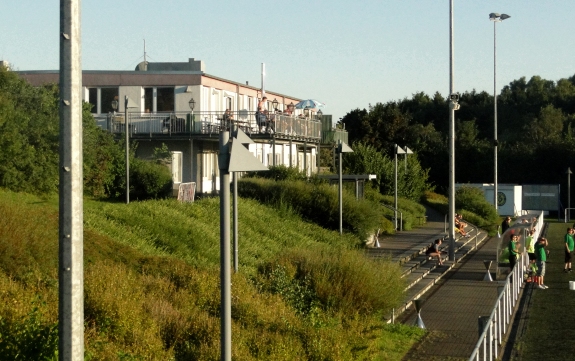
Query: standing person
{"points": [[433, 251], [569, 246], [541, 259], [513, 253], [262, 114], [505, 224], [530, 245]]}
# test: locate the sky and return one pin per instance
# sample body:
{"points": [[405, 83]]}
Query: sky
{"points": [[346, 54]]}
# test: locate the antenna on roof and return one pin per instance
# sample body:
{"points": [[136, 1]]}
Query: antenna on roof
{"points": [[144, 51]]}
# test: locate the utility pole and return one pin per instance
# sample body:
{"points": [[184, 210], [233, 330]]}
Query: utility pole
{"points": [[71, 203]]}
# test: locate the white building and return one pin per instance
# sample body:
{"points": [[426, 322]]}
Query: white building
{"points": [[160, 111]]}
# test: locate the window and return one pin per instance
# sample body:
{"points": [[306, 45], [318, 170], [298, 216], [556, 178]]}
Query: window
{"points": [[107, 96], [93, 99], [103, 103], [165, 100], [148, 100]]}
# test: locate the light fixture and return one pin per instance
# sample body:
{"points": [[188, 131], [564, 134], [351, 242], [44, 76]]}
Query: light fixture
{"points": [[275, 104], [192, 104], [319, 114], [291, 106], [115, 104]]}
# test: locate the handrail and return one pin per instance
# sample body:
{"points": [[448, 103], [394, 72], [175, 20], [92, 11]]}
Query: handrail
{"points": [[493, 327], [400, 215]]}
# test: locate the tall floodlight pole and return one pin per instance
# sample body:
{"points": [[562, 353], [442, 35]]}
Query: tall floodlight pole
{"points": [[569, 172], [71, 232], [127, 151], [451, 231], [263, 79], [496, 18]]}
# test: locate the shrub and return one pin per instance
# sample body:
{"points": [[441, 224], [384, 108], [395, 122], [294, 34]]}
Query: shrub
{"points": [[316, 202], [339, 280], [149, 180], [279, 172]]}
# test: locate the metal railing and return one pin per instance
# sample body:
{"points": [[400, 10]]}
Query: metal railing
{"points": [[400, 215], [493, 328], [184, 123]]}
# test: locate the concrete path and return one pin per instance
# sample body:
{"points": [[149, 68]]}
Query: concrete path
{"points": [[453, 295]]}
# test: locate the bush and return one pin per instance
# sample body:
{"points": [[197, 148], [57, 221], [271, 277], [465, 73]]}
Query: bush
{"points": [[316, 202], [339, 280], [280, 172], [149, 180]]}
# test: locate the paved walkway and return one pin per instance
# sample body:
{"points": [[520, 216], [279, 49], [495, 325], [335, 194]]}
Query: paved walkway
{"points": [[451, 307]]}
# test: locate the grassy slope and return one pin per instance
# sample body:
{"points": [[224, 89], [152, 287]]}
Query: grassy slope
{"points": [[151, 284], [549, 334]]}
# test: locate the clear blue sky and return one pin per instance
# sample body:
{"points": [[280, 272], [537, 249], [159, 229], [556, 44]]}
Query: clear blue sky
{"points": [[344, 53]]}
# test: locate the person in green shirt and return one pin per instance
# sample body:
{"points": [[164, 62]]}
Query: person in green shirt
{"points": [[541, 259], [569, 245], [513, 251]]}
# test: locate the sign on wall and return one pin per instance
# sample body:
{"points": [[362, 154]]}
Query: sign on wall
{"points": [[541, 197]]}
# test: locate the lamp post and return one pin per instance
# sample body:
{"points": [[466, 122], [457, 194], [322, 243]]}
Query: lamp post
{"points": [[275, 104], [406, 151], [451, 193], [568, 172], [496, 18], [192, 105], [341, 148], [319, 115], [114, 108]]}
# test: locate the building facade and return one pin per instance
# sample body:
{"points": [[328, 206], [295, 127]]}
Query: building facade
{"points": [[183, 107]]}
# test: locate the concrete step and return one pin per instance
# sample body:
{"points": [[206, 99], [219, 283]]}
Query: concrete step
{"points": [[421, 273]]}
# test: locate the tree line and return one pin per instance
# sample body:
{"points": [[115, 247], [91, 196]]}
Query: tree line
{"points": [[534, 122]]}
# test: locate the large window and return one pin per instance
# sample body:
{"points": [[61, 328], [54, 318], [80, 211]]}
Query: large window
{"points": [[108, 95], [165, 100], [101, 99], [149, 100]]}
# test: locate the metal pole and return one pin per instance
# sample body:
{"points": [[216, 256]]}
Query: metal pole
{"points": [[127, 151], [451, 143], [71, 232], [395, 193], [225, 278], [235, 221], [569, 191], [340, 191], [495, 191], [263, 76]]}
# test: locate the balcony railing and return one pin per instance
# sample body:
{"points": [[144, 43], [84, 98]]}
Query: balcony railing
{"points": [[208, 123]]}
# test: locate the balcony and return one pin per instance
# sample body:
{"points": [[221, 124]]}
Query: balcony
{"points": [[209, 124]]}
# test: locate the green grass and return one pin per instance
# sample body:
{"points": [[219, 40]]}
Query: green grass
{"points": [[152, 285], [549, 334]]}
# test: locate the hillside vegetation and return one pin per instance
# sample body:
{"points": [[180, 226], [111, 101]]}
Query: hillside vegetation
{"points": [[152, 285]]}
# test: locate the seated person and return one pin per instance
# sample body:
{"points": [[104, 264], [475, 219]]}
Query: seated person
{"points": [[433, 251]]}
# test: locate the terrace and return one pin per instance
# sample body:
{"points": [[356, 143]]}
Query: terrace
{"points": [[209, 124]]}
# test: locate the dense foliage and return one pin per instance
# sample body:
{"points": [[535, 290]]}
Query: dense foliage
{"points": [[535, 132], [151, 289], [29, 138]]}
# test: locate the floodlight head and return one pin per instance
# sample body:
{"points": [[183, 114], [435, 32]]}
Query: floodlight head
{"points": [[494, 16], [568, 171], [504, 16]]}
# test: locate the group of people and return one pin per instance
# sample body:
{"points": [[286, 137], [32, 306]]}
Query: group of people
{"points": [[535, 251]]}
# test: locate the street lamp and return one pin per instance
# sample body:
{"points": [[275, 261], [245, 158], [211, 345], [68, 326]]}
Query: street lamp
{"points": [[568, 172], [342, 147], [319, 114], [496, 18], [406, 151], [275, 104], [192, 104]]}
